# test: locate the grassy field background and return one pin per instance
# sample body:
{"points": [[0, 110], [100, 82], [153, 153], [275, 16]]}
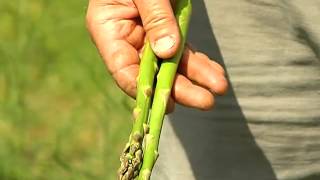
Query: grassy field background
{"points": [[61, 114]]}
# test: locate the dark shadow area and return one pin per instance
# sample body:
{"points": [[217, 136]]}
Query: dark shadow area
{"points": [[218, 143], [305, 38]]}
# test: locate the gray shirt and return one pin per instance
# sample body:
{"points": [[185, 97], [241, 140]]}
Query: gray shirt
{"points": [[268, 125]]}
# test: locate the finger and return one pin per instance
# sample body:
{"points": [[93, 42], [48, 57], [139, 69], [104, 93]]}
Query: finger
{"points": [[121, 59], [126, 79], [188, 94], [212, 63], [201, 55], [200, 69], [160, 25], [115, 10], [136, 37], [117, 20]]}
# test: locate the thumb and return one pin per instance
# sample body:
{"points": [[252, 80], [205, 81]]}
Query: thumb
{"points": [[160, 25]]}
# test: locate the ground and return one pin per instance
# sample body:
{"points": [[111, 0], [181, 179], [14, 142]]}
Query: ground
{"points": [[61, 114]]}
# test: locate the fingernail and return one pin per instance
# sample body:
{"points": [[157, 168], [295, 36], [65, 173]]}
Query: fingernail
{"points": [[163, 44]]}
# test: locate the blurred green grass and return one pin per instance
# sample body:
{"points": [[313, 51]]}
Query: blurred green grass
{"points": [[61, 114]]}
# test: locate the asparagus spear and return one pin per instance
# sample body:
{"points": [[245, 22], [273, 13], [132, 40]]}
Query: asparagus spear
{"points": [[131, 158], [164, 84]]}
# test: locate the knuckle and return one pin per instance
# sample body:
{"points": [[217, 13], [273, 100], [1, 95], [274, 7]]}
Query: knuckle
{"points": [[158, 19], [201, 55]]}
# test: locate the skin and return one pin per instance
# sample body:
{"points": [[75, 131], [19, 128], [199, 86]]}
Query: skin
{"points": [[119, 29]]}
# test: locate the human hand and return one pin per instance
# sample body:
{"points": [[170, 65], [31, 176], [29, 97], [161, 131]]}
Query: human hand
{"points": [[119, 29]]}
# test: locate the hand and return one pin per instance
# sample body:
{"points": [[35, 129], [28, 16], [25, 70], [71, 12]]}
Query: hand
{"points": [[119, 28]]}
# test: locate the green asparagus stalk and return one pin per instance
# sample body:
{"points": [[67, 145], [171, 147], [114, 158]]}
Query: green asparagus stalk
{"points": [[131, 158], [164, 84]]}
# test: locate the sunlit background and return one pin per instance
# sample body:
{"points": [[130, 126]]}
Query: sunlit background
{"points": [[61, 114]]}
